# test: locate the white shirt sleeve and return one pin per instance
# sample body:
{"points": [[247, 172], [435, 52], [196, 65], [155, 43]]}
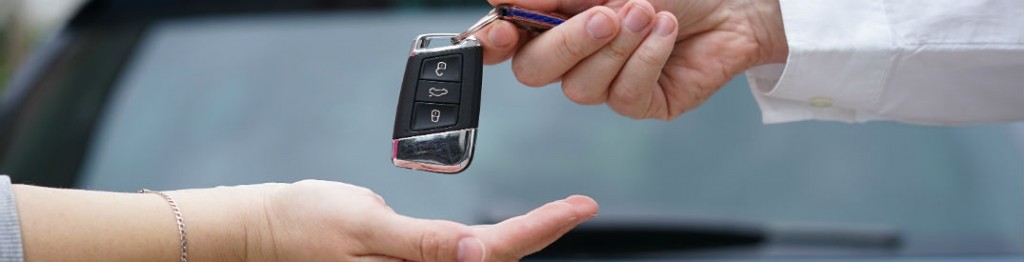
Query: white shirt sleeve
{"points": [[942, 62]]}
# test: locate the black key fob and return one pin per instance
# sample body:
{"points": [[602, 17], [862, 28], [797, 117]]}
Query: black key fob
{"points": [[439, 105]]}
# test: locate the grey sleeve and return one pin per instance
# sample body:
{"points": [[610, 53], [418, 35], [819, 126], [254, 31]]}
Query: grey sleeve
{"points": [[10, 229]]}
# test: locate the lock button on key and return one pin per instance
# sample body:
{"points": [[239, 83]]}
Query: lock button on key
{"points": [[444, 68]]}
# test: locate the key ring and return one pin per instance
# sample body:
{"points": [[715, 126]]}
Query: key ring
{"points": [[479, 25]]}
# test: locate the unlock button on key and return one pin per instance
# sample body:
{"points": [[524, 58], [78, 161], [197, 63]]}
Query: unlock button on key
{"points": [[429, 116]]}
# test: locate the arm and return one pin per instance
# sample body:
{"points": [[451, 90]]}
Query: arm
{"points": [[303, 221], [106, 226]]}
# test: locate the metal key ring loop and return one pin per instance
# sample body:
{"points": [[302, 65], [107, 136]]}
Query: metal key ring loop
{"points": [[479, 25]]}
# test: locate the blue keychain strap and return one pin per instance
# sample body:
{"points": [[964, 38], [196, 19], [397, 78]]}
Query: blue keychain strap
{"points": [[522, 17], [533, 19]]}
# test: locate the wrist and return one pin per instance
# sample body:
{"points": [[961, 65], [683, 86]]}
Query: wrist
{"points": [[216, 221], [766, 15]]}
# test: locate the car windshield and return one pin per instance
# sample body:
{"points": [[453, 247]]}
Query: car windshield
{"points": [[227, 100]]}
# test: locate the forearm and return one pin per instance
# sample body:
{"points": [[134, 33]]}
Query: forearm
{"points": [[78, 225]]}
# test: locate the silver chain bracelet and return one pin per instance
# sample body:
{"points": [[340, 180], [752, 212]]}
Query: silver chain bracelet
{"points": [[177, 216]]}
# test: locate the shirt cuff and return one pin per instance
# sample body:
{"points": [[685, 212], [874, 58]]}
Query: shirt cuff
{"points": [[840, 53], [10, 228]]}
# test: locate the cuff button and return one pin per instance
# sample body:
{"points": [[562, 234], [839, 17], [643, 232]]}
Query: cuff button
{"points": [[820, 102]]}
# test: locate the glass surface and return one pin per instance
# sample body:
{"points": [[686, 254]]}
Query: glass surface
{"points": [[253, 99]]}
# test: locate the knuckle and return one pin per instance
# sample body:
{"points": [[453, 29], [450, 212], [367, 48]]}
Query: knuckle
{"points": [[429, 242], [626, 111], [622, 110], [628, 101], [659, 111], [627, 94], [580, 93], [438, 243], [648, 56], [524, 74], [570, 49], [618, 52], [656, 111]]}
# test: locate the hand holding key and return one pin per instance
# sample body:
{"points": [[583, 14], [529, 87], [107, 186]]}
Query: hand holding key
{"points": [[655, 59]]}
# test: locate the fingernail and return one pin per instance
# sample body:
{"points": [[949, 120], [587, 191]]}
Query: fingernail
{"points": [[665, 26], [497, 36], [636, 19], [600, 26], [471, 250]]}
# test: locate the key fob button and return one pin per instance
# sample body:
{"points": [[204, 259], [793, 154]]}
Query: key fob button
{"points": [[438, 92], [429, 115], [444, 68]]}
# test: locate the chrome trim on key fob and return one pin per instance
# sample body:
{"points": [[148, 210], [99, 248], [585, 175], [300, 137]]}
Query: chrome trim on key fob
{"points": [[448, 152], [422, 43]]}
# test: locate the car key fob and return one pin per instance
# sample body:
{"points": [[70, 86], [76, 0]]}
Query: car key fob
{"points": [[439, 105]]}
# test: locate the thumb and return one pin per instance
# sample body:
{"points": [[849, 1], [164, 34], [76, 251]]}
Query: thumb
{"points": [[523, 235], [423, 240]]}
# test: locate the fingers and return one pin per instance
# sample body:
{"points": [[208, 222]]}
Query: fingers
{"points": [[547, 57], [502, 38], [421, 240], [500, 41], [582, 85], [523, 235], [634, 91]]}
